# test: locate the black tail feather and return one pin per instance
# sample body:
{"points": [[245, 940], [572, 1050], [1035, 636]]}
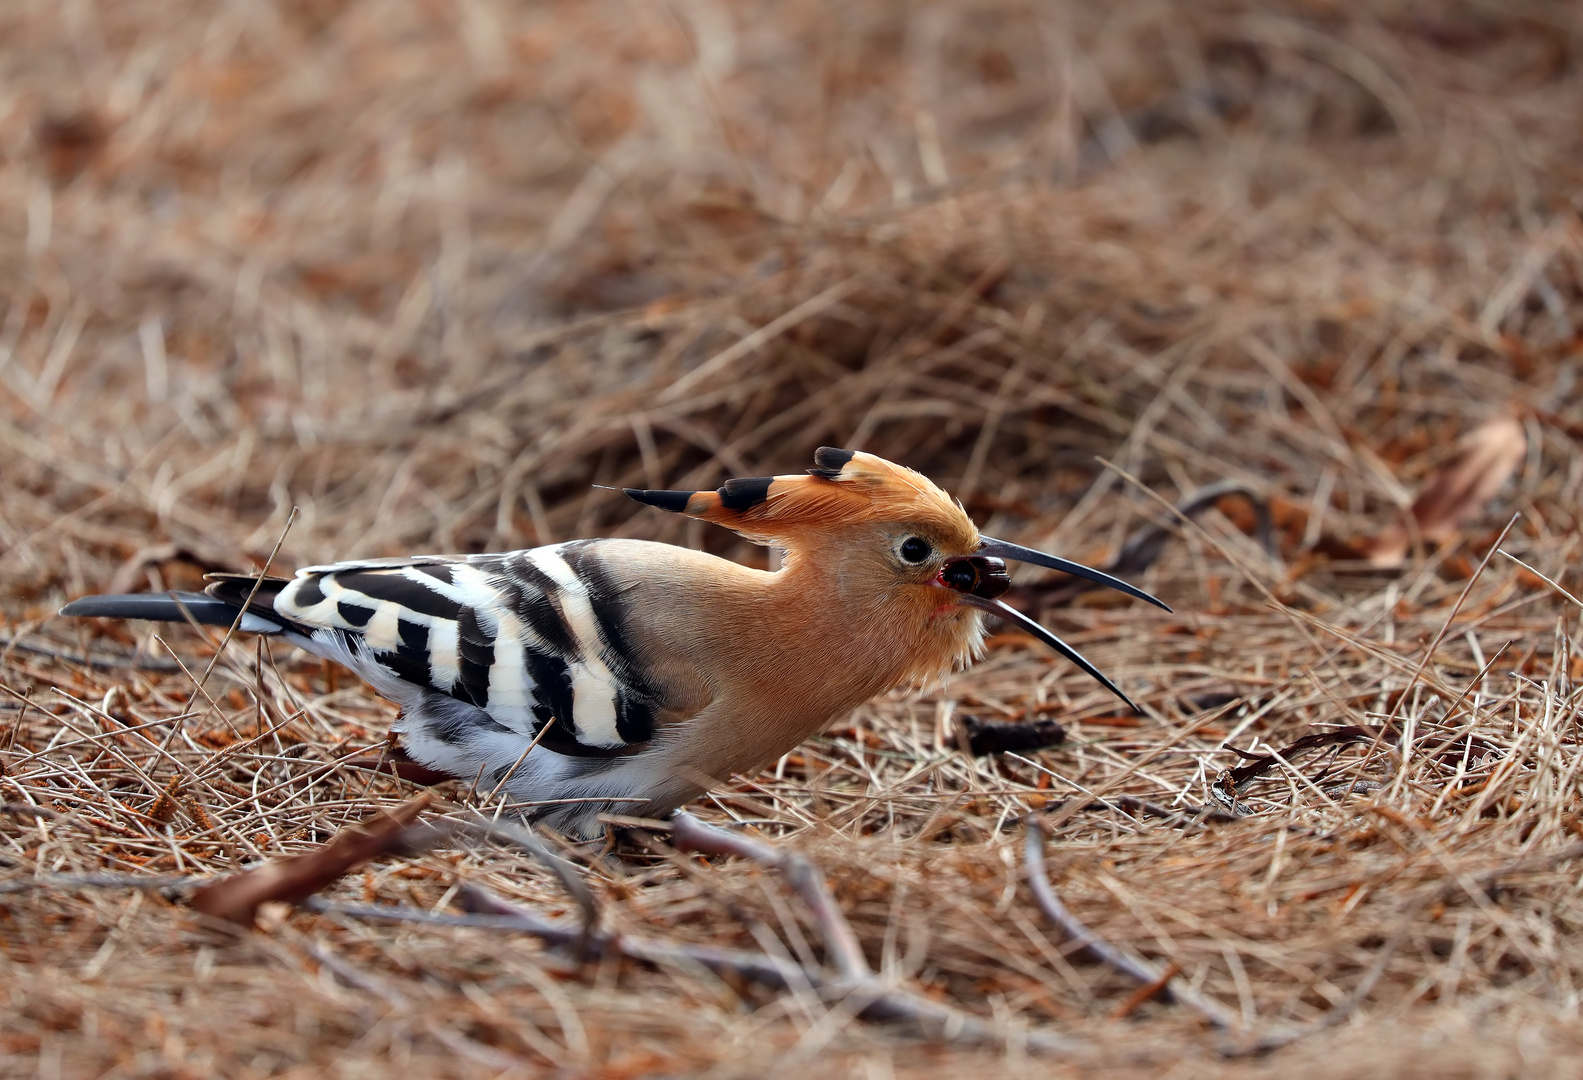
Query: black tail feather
{"points": [[159, 607], [218, 605]]}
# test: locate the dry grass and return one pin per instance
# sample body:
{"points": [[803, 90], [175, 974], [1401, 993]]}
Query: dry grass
{"points": [[429, 271]]}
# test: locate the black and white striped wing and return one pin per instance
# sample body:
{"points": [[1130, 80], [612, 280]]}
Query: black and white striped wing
{"points": [[524, 637]]}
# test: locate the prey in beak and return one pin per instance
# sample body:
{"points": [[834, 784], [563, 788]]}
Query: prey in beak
{"points": [[981, 578]]}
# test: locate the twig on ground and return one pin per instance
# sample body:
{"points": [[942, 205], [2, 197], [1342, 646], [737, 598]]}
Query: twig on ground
{"points": [[392, 760], [88, 660], [571, 882], [880, 1003], [22, 809], [1189, 814], [486, 911], [241, 614], [1122, 960], [237, 898], [853, 981], [66, 882], [1553, 584], [1225, 786], [1155, 981], [841, 944]]}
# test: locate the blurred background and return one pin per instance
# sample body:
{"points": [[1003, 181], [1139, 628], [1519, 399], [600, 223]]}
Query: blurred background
{"points": [[440, 272], [429, 271]]}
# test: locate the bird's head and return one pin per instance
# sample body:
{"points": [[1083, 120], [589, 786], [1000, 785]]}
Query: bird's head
{"points": [[883, 533]]}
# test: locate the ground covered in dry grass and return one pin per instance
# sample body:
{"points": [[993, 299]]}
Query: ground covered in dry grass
{"points": [[431, 271]]}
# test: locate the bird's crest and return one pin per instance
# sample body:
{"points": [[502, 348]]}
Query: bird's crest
{"points": [[845, 488]]}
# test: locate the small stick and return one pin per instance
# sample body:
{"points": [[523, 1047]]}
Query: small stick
{"points": [[87, 660], [1135, 967], [22, 809], [489, 912], [240, 615], [1429, 654], [1045, 896], [1146, 991], [187, 712], [841, 944], [543, 731], [486, 911], [570, 880], [1553, 584], [64, 882]]}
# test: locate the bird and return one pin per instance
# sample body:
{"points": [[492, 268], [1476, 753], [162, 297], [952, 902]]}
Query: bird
{"points": [[628, 676]]}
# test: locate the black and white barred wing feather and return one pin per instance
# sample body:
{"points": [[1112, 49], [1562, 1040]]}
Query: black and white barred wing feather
{"points": [[481, 652]]}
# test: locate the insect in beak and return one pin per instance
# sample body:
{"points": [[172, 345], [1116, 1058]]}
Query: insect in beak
{"points": [[978, 575], [982, 577]]}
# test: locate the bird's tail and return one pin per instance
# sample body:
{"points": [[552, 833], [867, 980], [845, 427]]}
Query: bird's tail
{"points": [[218, 607]]}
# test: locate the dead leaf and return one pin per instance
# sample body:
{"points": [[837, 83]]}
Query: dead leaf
{"points": [[1451, 495], [70, 143], [1490, 455], [1226, 786], [295, 878]]}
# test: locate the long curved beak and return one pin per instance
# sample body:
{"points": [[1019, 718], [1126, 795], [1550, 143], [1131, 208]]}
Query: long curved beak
{"points": [[1018, 619], [1001, 549]]}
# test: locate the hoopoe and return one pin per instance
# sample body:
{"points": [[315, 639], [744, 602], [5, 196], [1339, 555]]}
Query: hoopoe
{"points": [[630, 676]]}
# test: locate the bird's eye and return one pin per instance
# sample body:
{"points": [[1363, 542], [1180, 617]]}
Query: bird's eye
{"points": [[915, 549]]}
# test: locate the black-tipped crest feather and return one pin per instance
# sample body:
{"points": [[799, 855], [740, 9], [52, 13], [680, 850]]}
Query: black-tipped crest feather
{"points": [[745, 492], [673, 501], [829, 461]]}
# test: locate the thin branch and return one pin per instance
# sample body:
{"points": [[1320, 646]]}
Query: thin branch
{"points": [[258, 582], [67, 882], [1251, 1043], [22, 809], [486, 911], [1553, 584], [853, 984], [423, 837], [1128, 963], [880, 1003], [240, 615], [841, 944], [140, 662]]}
